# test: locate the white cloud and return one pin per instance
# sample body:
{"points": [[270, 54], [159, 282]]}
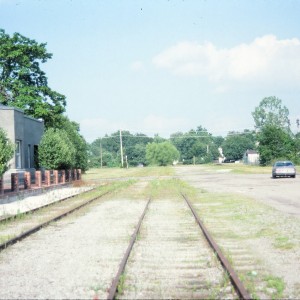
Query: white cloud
{"points": [[164, 125], [266, 59], [93, 128], [137, 66]]}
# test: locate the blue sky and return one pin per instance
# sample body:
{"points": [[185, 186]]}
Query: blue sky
{"points": [[164, 66]]}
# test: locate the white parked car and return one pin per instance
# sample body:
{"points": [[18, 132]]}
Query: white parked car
{"points": [[283, 168]]}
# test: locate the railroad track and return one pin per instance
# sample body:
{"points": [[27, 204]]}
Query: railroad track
{"points": [[166, 258], [10, 234]]}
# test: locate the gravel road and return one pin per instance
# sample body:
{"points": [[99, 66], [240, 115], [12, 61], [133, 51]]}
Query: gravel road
{"points": [[261, 233], [281, 193]]}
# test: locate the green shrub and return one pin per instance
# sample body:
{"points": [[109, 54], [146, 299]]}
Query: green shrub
{"points": [[6, 151], [56, 151]]}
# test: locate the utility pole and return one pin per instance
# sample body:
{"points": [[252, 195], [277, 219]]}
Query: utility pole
{"points": [[101, 154], [121, 149]]}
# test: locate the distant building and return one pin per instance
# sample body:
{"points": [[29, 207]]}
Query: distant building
{"points": [[26, 132], [251, 157], [221, 156]]}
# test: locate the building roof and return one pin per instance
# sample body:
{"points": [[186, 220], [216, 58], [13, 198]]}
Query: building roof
{"points": [[251, 152], [5, 107]]}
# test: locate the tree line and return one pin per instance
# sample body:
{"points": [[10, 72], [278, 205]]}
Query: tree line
{"points": [[272, 138]]}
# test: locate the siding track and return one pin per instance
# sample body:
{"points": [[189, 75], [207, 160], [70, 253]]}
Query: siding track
{"points": [[62, 212]]}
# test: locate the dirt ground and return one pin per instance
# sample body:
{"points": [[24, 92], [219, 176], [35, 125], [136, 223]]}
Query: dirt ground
{"points": [[282, 193], [265, 225]]}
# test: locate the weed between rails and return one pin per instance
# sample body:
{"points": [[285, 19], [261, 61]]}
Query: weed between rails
{"points": [[169, 188], [283, 243], [275, 286], [5, 238], [121, 285]]}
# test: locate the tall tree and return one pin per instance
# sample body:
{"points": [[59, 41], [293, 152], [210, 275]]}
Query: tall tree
{"points": [[271, 112], [6, 151], [72, 129], [235, 144], [22, 82], [275, 143], [56, 151], [195, 146], [134, 147], [161, 154]]}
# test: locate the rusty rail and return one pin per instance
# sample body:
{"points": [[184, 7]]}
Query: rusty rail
{"points": [[238, 285], [27, 233], [114, 286]]}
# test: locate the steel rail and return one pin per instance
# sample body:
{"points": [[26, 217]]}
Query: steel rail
{"points": [[240, 289], [34, 229], [114, 286], [12, 217]]}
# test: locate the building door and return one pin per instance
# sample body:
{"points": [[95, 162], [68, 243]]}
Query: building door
{"points": [[29, 156], [18, 155], [36, 156]]}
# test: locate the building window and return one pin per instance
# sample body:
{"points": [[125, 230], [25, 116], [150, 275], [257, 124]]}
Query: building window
{"points": [[18, 154], [29, 156], [36, 156]]}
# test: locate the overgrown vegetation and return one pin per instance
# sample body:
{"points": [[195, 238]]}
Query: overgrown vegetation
{"points": [[56, 151], [23, 84], [273, 140], [6, 151]]}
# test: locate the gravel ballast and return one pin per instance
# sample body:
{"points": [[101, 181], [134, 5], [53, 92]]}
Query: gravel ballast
{"points": [[172, 259], [75, 258]]}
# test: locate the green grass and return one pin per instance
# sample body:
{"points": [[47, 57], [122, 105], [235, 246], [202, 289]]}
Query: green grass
{"points": [[167, 188], [94, 174], [121, 285], [244, 219], [5, 238], [239, 168], [283, 243], [277, 286]]}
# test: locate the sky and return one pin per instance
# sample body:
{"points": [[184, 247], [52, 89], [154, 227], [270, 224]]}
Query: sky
{"points": [[165, 66]]}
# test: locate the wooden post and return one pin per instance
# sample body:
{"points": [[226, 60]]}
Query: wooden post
{"points": [[79, 174], [38, 178], [63, 176], [1, 185], [55, 173], [70, 175], [47, 178], [27, 180], [15, 182]]}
